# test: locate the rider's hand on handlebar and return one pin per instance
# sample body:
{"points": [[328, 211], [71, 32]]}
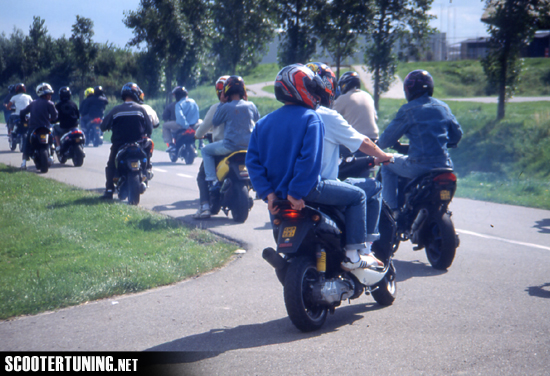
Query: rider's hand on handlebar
{"points": [[384, 161]]}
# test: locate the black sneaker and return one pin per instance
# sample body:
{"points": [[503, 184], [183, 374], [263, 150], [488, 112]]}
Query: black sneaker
{"points": [[214, 187], [108, 195]]}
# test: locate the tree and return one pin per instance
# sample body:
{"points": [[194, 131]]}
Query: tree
{"points": [[339, 23], [169, 32], [243, 29], [405, 20], [297, 41], [84, 51], [512, 25]]}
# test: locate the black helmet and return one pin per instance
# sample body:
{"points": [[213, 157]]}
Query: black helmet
{"points": [[98, 90], [131, 90], [417, 83], [179, 92], [298, 84], [329, 79], [348, 81], [20, 88], [65, 93], [234, 85]]}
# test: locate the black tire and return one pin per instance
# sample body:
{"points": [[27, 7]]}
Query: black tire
{"points": [[62, 159], [440, 239], [12, 143], [173, 156], [43, 159], [239, 204], [133, 187], [189, 155], [96, 140], [304, 314], [78, 156], [387, 288]]}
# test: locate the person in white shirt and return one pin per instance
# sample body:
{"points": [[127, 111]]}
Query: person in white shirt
{"points": [[20, 100], [356, 106], [339, 132]]}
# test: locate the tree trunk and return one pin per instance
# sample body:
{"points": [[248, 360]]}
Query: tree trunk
{"points": [[168, 72], [376, 93]]}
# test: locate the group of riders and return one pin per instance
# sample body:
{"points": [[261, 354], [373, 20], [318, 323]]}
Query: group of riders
{"points": [[293, 153]]}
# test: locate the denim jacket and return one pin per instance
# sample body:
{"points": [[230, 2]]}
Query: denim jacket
{"points": [[430, 127]]}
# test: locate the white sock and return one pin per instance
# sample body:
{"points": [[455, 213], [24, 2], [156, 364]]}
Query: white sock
{"points": [[366, 251], [353, 255]]}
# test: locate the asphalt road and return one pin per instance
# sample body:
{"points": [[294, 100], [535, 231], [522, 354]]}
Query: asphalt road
{"points": [[487, 315]]}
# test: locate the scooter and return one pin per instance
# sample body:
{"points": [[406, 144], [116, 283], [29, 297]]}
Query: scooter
{"points": [[308, 260], [133, 170], [233, 194], [72, 147], [41, 148], [184, 141]]}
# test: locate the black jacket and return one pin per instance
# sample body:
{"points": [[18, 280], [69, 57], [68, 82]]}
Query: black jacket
{"points": [[129, 122], [68, 114]]}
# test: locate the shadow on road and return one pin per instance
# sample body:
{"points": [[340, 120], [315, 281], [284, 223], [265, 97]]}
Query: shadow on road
{"points": [[543, 225], [179, 205], [542, 291], [217, 341], [411, 269]]}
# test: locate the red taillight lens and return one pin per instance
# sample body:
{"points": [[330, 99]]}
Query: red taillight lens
{"points": [[291, 214], [445, 178]]}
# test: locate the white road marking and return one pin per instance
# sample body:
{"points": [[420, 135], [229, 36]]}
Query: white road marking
{"points": [[185, 176], [159, 169], [502, 239]]}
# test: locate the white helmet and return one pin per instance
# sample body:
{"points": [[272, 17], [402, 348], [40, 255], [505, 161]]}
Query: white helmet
{"points": [[43, 89]]}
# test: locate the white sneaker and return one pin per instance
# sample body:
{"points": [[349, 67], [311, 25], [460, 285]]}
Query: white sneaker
{"points": [[203, 212], [364, 262], [24, 165]]}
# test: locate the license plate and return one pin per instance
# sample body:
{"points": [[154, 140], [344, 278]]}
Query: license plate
{"points": [[135, 164], [445, 195], [289, 232]]}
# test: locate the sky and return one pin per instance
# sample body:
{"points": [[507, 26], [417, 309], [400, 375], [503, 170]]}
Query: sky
{"points": [[460, 19]]}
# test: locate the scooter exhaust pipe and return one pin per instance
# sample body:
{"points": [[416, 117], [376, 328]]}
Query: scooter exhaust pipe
{"points": [[273, 258]]}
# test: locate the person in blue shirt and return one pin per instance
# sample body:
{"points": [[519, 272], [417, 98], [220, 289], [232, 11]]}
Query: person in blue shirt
{"points": [[285, 156], [187, 115], [239, 116], [431, 129]]}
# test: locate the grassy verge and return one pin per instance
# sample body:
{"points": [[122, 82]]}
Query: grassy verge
{"points": [[62, 246]]}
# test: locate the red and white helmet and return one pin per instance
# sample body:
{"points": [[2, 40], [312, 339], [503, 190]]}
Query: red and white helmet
{"points": [[329, 79], [219, 85], [298, 84]]}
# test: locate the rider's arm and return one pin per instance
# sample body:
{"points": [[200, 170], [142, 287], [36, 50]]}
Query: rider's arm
{"points": [[455, 132], [395, 130], [206, 124], [308, 164], [24, 112], [256, 171], [220, 115], [107, 122]]}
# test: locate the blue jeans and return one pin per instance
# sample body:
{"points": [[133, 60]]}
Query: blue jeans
{"points": [[373, 192], [354, 202], [209, 153], [390, 176]]}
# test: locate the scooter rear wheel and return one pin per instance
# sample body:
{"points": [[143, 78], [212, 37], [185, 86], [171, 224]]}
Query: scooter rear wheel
{"points": [[441, 241], [133, 184], [303, 312], [43, 158]]}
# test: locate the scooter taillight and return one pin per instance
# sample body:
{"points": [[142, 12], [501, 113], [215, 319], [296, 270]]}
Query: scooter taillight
{"points": [[291, 214], [445, 178]]}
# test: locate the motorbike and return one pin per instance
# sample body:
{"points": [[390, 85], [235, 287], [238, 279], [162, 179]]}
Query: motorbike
{"points": [[184, 141], [41, 148], [307, 262], [93, 132], [233, 193], [424, 217], [15, 133], [133, 171], [72, 147]]}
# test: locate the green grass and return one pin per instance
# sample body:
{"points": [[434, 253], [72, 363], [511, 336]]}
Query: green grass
{"points": [[62, 246]]}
